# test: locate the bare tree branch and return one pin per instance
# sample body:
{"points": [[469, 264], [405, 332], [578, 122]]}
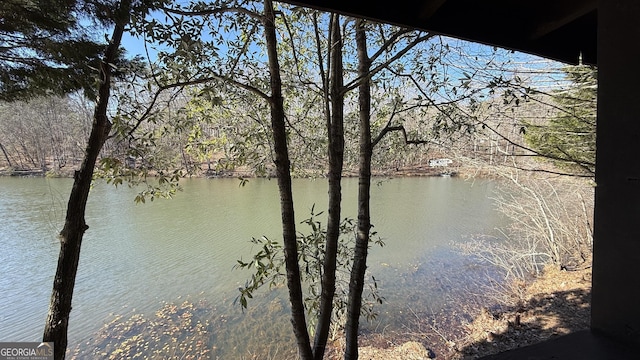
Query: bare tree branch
{"points": [[356, 82], [388, 128], [209, 12]]}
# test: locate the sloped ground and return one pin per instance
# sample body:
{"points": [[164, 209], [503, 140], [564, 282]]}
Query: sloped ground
{"points": [[557, 303]]}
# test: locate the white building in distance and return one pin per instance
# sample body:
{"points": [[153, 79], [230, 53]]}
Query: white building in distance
{"points": [[440, 162]]}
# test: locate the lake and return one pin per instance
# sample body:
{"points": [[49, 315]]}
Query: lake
{"points": [[136, 258]]}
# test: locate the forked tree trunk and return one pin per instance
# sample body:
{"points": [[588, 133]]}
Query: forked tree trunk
{"points": [[336, 160], [74, 227], [278, 127], [356, 282]]}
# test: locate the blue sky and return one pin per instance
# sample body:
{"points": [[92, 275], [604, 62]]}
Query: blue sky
{"points": [[133, 45], [530, 66]]}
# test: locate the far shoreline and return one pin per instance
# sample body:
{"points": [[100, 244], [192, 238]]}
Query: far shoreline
{"points": [[408, 171]]}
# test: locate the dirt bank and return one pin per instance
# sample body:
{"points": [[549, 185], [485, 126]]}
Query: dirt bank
{"points": [[554, 304]]}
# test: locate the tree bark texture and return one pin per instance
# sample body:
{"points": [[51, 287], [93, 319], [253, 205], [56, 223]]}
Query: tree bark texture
{"points": [[74, 227], [336, 160], [278, 126], [356, 282]]}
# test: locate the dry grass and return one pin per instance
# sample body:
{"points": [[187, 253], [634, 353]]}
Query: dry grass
{"points": [[554, 304]]}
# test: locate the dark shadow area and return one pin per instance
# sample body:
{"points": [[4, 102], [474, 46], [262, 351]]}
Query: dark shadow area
{"points": [[583, 345], [548, 326]]}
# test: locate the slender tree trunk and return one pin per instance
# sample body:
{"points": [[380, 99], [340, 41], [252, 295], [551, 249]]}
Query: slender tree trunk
{"points": [[336, 159], [356, 282], [74, 227], [6, 156], [298, 319]]}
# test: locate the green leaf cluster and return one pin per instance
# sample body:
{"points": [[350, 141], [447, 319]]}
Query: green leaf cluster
{"points": [[45, 49], [569, 139], [267, 265]]}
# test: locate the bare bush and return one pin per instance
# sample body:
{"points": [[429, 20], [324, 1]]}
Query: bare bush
{"points": [[550, 223], [552, 216]]}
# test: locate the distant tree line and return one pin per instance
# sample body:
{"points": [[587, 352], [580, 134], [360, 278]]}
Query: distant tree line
{"points": [[47, 133], [280, 90]]}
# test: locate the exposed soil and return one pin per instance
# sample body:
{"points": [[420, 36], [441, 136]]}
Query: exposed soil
{"points": [[558, 303], [554, 304]]}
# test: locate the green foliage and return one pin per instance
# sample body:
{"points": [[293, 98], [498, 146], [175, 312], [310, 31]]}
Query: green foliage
{"points": [[154, 184], [229, 134], [53, 47], [154, 139], [569, 139], [267, 265], [44, 50]]}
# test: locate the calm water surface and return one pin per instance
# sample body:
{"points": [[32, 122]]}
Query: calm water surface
{"points": [[136, 257]]}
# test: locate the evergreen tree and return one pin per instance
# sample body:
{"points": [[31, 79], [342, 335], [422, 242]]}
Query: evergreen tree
{"points": [[45, 49], [569, 139]]}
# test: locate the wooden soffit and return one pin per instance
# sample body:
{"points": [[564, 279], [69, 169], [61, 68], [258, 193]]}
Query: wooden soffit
{"points": [[563, 30]]}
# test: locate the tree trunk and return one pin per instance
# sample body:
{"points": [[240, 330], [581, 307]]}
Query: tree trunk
{"points": [[356, 282], [6, 156], [74, 227], [289, 235], [336, 159]]}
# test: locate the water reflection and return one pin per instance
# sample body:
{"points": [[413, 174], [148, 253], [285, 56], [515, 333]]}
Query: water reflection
{"points": [[138, 258]]}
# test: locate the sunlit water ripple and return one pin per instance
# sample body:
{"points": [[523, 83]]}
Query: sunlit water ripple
{"points": [[136, 257]]}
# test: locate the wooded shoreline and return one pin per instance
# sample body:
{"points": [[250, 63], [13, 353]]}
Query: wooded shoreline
{"points": [[407, 171]]}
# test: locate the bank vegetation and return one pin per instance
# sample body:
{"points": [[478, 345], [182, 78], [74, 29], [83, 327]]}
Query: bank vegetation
{"points": [[256, 88]]}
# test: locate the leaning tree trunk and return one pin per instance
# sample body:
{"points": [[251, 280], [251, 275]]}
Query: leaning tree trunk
{"points": [[336, 159], [74, 227], [298, 319], [6, 156], [356, 282]]}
